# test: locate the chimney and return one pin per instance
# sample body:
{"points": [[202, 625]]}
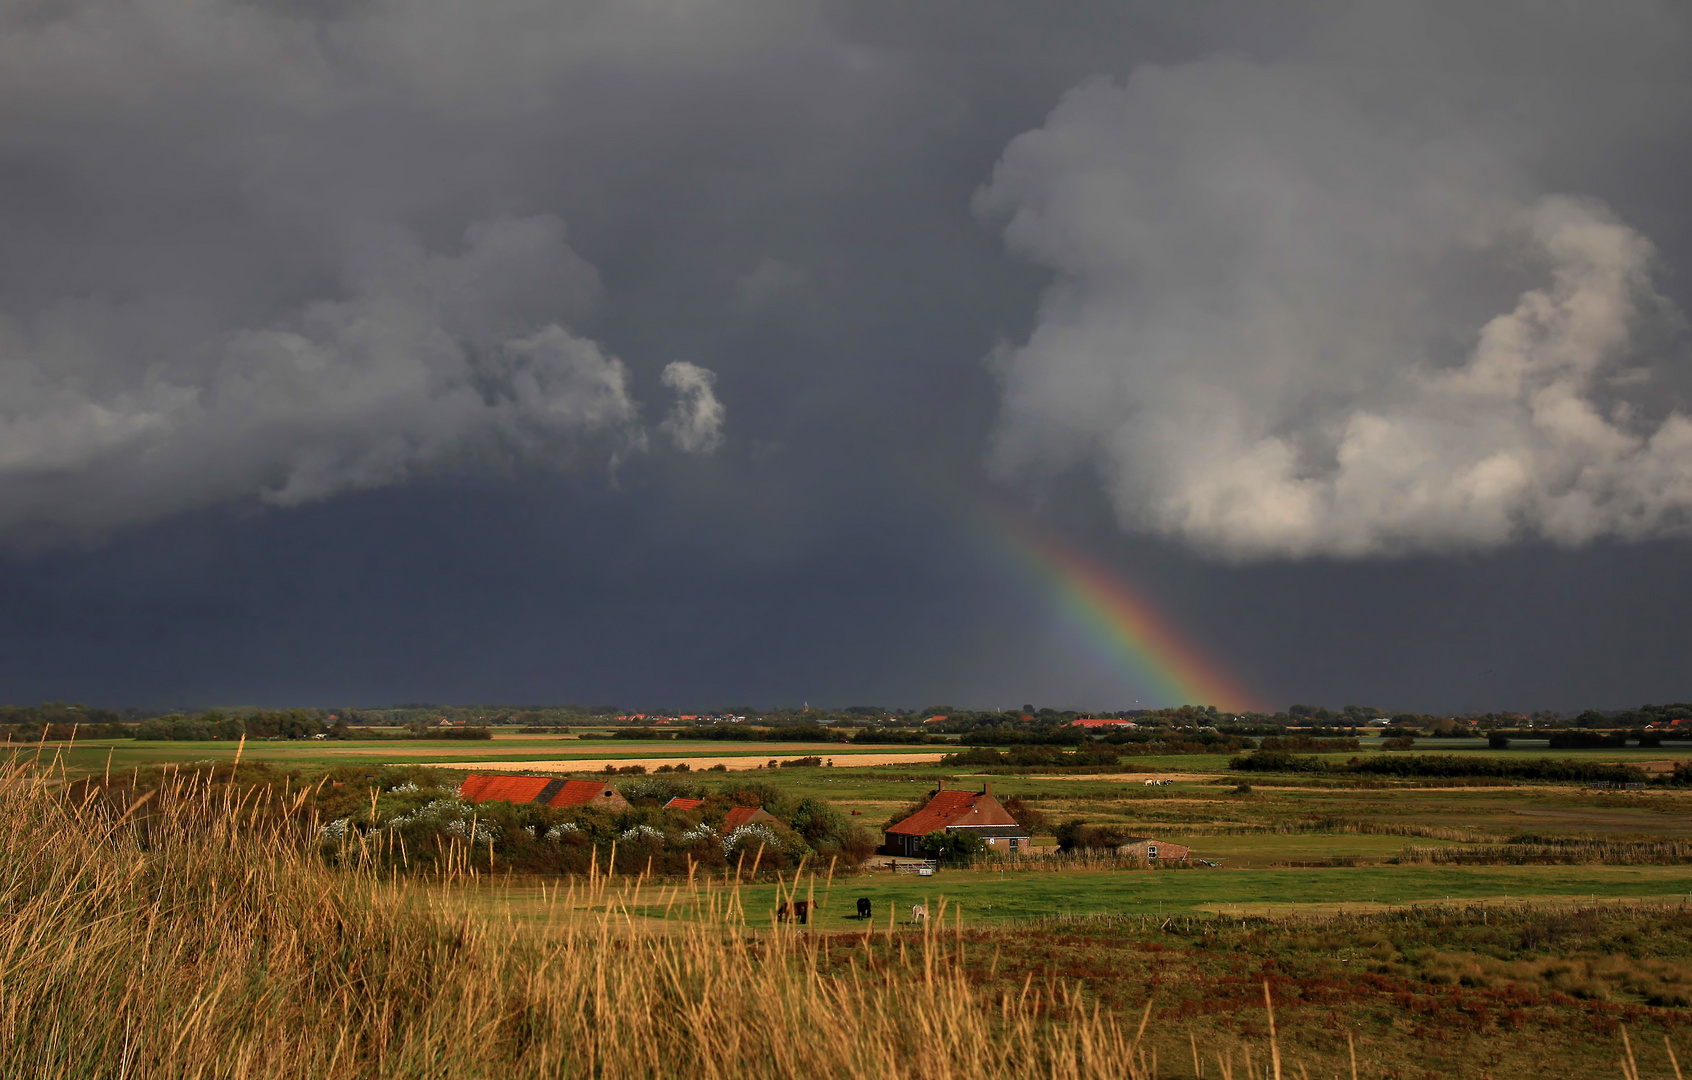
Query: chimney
{"points": [[942, 783], [986, 787]]}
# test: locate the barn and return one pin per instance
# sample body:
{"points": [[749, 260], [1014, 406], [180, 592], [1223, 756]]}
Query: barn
{"points": [[680, 803], [1152, 851], [483, 787], [958, 811]]}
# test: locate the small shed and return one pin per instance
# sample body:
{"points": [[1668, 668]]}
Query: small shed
{"points": [[1152, 851]]}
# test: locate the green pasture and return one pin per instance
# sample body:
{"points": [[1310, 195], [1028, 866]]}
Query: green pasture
{"points": [[508, 746], [875, 792], [986, 896]]}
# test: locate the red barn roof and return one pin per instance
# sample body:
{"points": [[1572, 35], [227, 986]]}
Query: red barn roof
{"points": [[679, 803], [537, 789], [496, 788], [1099, 721]]}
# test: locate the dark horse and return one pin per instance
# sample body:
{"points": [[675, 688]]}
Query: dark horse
{"points": [[863, 907], [789, 909]]}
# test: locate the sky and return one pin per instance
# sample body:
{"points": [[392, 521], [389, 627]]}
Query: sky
{"points": [[694, 353]]}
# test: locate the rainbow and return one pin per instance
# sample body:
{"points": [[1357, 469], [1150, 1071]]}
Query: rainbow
{"points": [[1125, 626]]}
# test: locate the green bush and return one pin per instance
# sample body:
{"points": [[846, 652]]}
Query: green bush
{"points": [[184, 729], [953, 848]]}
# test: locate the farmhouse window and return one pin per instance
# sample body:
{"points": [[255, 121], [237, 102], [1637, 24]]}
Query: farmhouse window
{"points": [[1151, 851]]}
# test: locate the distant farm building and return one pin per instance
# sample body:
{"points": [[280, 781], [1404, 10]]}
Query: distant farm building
{"points": [[960, 811], [748, 815], [1093, 722], [1152, 851], [482, 787], [679, 803]]}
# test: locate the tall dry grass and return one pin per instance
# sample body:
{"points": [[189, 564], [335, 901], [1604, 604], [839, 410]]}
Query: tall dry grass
{"points": [[201, 932]]}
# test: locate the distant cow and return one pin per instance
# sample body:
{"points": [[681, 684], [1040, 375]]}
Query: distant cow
{"points": [[863, 907], [919, 912]]}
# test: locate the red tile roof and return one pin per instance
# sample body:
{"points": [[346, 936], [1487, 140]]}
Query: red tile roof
{"points": [[580, 793], [743, 815], [679, 803], [516, 789], [522, 789], [941, 811], [1096, 721], [949, 808]]}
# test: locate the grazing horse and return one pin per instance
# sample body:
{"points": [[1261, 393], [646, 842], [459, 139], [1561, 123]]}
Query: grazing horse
{"points": [[919, 912], [790, 909], [863, 907]]}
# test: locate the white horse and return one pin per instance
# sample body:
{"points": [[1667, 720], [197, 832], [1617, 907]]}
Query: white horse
{"points": [[919, 913]]}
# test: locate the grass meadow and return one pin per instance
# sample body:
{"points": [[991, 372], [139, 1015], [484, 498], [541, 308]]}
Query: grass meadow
{"points": [[176, 924]]}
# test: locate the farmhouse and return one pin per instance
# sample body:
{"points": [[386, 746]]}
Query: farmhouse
{"points": [[1152, 851], [960, 811], [481, 787], [1092, 723], [748, 815], [679, 803]]}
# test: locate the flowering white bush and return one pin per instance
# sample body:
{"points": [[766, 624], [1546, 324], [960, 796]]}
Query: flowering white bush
{"points": [[452, 814], [643, 832], [484, 831], [749, 833], [557, 832], [336, 830], [431, 812], [699, 832]]}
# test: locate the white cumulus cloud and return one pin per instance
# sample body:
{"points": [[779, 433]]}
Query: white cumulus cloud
{"points": [[1284, 325], [695, 422]]}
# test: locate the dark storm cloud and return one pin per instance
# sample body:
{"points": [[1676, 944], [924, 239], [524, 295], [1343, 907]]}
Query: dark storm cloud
{"points": [[773, 267]]}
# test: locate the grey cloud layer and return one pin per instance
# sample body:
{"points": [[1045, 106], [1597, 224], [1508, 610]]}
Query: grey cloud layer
{"points": [[220, 294], [1288, 322], [275, 250]]}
